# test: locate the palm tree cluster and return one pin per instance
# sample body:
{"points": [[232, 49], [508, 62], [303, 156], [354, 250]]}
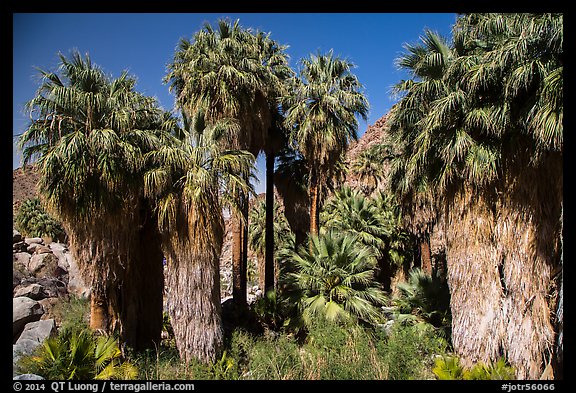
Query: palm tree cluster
{"points": [[131, 184], [480, 125], [476, 144]]}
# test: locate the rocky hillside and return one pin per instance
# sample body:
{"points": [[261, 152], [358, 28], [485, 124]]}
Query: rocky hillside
{"points": [[374, 134], [24, 186]]}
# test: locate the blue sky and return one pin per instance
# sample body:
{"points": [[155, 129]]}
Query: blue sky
{"points": [[143, 43]]}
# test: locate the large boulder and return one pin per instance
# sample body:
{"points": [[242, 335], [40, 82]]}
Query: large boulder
{"points": [[76, 284], [43, 265], [24, 310], [33, 291], [33, 335]]}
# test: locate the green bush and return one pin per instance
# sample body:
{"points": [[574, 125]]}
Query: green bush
{"points": [[33, 221], [73, 314], [409, 351]]}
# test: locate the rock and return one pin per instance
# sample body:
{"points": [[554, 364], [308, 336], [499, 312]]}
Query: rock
{"points": [[53, 287], [32, 247], [33, 291], [20, 246], [33, 335], [38, 331], [21, 258], [27, 377], [42, 265], [33, 240], [42, 250], [24, 310], [16, 236], [58, 247], [62, 256], [76, 283], [48, 306]]}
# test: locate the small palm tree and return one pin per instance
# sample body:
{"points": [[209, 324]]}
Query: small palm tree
{"points": [[79, 355], [427, 298], [369, 166], [375, 221], [336, 278]]}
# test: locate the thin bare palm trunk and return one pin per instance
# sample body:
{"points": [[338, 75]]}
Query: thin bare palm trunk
{"points": [[314, 203], [240, 253]]}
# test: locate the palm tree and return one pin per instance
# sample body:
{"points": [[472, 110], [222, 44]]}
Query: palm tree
{"points": [[479, 130], [232, 73], [89, 134], [188, 180], [321, 114], [336, 278]]}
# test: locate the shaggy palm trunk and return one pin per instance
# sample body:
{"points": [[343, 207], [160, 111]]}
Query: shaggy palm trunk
{"points": [[143, 305], [477, 297], [240, 253], [269, 233], [500, 260], [122, 263], [193, 282], [529, 233], [103, 254]]}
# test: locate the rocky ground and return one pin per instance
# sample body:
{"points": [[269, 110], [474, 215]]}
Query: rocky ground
{"points": [[42, 273]]}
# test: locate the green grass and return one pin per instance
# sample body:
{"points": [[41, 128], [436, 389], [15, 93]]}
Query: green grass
{"points": [[328, 352]]}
